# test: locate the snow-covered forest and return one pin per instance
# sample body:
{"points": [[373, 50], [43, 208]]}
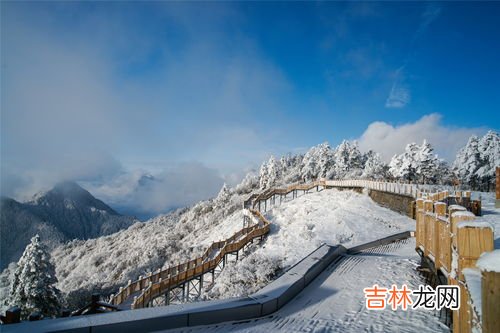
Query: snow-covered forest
{"points": [[474, 166], [104, 264]]}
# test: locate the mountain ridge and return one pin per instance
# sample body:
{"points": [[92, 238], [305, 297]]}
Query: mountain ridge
{"points": [[65, 212]]}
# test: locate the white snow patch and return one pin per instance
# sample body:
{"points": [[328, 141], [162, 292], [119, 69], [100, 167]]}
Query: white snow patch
{"points": [[463, 213], [473, 281], [301, 225], [489, 261], [475, 224]]}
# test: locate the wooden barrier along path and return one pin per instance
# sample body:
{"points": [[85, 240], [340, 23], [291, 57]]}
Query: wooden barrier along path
{"points": [[447, 238], [433, 214], [451, 242], [141, 293]]}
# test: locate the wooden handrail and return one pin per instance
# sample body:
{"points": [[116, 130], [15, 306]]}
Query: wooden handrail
{"points": [[176, 275], [154, 284]]}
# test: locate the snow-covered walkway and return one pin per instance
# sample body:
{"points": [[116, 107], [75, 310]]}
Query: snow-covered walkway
{"points": [[335, 300]]}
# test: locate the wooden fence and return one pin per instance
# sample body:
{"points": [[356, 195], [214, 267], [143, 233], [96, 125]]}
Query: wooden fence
{"points": [[157, 283], [450, 238]]}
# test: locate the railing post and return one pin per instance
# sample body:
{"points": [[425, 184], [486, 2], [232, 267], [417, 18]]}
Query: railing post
{"points": [[490, 291], [428, 206], [439, 230], [497, 188], [470, 240], [420, 229]]}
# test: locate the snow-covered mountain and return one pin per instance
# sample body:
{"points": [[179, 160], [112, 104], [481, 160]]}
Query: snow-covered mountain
{"points": [[64, 213]]}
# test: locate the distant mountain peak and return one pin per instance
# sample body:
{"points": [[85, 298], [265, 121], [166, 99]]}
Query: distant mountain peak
{"points": [[72, 196], [65, 212]]}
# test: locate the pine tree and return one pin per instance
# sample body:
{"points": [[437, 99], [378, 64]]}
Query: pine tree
{"points": [[395, 166], [263, 176], [33, 287], [489, 150], [284, 164], [325, 160], [426, 163], [374, 167], [468, 162], [223, 197], [309, 169], [341, 158], [273, 172], [355, 157], [444, 173]]}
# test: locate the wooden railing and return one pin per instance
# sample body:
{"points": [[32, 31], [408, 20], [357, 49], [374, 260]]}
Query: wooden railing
{"points": [[413, 190], [255, 199], [453, 241], [155, 284]]}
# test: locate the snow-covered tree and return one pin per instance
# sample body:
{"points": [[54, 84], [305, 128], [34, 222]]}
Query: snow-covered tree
{"points": [[223, 197], [263, 176], [374, 167], [468, 162], [325, 160], [417, 163], [476, 162], [395, 166], [409, 160], [426, 163], [292, 174], [33, 286], [445, 175], [284, 164], [273, 172], [249, 183], [489, 150], [309, 169], [348, 160]]}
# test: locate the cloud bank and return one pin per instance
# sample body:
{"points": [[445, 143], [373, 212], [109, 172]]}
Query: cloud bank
{"points": [[400, 93], [388, 139], [145, 195], [93, 97]]}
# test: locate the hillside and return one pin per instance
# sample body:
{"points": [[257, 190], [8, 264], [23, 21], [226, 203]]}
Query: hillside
{"points": [[298, 227], [64, 213]]}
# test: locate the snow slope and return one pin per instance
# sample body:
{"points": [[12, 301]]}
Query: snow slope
{"points": [[298, 227], [335, 302], [490, 214]]}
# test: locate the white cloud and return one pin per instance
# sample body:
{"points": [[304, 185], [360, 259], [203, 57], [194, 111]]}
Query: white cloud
{"points": [[400, 94], [90, 97], [143, 193], [431, 13], [388, 139], [398, 97]]}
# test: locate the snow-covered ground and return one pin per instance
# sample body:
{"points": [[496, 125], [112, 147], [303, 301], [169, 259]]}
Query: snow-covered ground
{"points": [[490, 214], [298, 227], [332, 217], [335, 302]]}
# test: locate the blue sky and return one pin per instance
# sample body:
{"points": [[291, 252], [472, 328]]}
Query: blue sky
{"points": [[99, 92]]}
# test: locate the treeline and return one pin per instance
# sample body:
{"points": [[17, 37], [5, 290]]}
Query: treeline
{"points": [[474, 166]]}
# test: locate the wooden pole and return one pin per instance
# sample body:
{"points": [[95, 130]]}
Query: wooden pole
{"points": [[472, 240], [497, 186], [440, 211], [428, 205], [490, 291], [420, 224]]}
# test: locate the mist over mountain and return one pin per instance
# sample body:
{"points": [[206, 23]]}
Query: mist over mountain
{"points": [[63, 213]]}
